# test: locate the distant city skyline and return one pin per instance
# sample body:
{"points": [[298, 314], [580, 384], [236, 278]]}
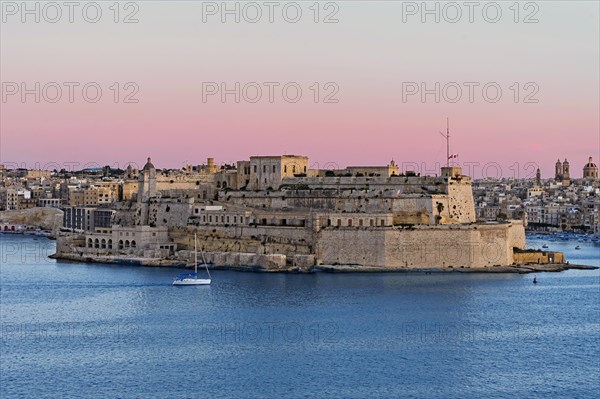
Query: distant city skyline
{"points": [[472, 169]]}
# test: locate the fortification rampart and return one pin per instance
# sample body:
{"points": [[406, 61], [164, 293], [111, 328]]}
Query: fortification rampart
{"points": [[477, 245]]}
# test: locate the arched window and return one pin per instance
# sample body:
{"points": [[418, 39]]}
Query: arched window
{"points": [[103, 243], [109, 243], [96, 243], [133, 244], [120, 244], [126, 243], [339, 222], [349, 222]]}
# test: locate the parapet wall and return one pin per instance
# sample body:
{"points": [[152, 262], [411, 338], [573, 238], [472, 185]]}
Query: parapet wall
{"points": [[404, 184]]}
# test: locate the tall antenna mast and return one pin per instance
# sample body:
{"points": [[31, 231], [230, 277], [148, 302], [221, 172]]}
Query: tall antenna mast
{"points": [[447, 137], [447, 141]]}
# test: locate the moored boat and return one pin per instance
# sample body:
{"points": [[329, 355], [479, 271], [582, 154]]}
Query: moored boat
{"points": [[192, 278]]}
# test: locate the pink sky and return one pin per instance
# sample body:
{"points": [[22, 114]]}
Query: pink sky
{"points": [[170, 53]]}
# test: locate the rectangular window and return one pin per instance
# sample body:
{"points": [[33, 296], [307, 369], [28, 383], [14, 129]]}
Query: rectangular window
{"points": [[273, 168]]}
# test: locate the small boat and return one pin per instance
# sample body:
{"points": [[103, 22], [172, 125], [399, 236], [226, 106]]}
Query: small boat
{"points": [[545, 246], [578, 247], [192, 278], [534, 280]]}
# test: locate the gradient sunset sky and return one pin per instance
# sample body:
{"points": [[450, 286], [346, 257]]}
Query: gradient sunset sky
{"points": [[368, 54]]}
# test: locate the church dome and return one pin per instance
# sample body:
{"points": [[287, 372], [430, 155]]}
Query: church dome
{"points": [[149, 165], [590, 164]]}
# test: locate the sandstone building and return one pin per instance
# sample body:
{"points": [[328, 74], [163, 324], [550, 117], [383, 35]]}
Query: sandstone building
{"points": [[276, 213]]}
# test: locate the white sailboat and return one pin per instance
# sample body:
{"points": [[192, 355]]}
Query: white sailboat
{"points": [[192, 278]]}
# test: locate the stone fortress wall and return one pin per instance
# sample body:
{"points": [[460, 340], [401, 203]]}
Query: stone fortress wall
{"points": [[274, 211], [422, 247]]}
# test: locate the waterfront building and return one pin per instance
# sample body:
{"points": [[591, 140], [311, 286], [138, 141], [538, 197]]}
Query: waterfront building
{"points": [[274, 212]]}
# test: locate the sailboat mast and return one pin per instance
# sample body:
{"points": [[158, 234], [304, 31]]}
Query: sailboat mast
{"points": [[195, 256]]}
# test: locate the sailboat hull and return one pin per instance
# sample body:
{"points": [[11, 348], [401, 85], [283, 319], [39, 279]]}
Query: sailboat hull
{"points": [[192, 281]]}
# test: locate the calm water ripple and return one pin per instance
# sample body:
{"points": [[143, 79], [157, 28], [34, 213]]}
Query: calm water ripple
{"points": [[71, 330]]}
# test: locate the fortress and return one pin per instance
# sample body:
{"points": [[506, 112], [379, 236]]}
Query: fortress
{"points": [[274, 213]]}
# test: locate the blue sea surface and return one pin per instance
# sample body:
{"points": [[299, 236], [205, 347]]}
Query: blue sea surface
{"points": [[74, 330]]}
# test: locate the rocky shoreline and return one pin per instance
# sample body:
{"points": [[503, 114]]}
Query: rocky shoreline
{"points": [[158, 262]]}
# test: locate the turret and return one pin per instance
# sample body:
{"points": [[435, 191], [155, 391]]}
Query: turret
{"points": [[146, 189], [210, 165]]}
